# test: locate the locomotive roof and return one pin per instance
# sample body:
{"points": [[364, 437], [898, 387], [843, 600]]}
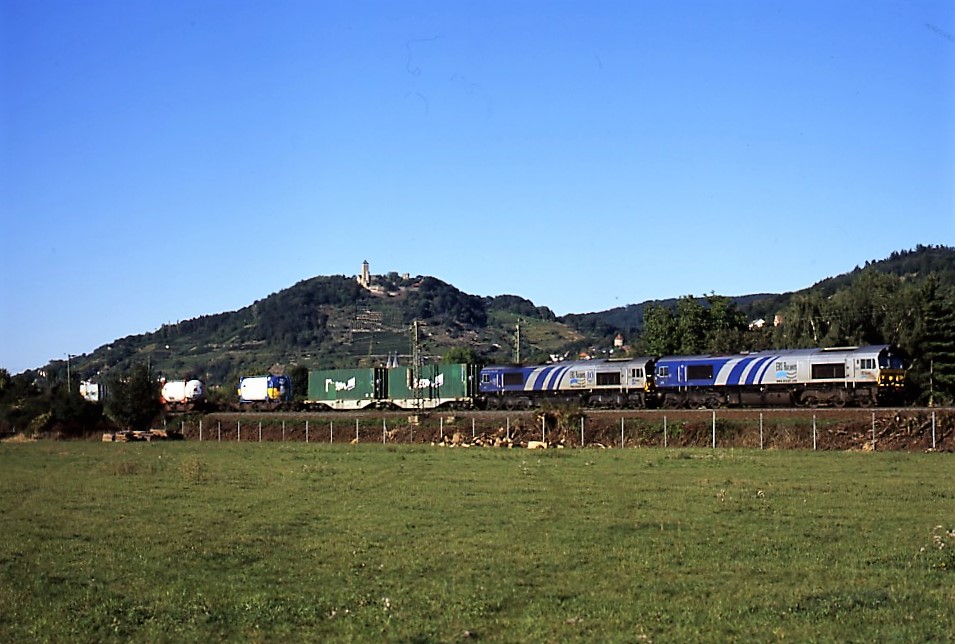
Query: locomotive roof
{"points": [[575, 363], [874, 349]]}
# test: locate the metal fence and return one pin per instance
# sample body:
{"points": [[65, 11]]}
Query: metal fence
{"points": [[772, 429]]}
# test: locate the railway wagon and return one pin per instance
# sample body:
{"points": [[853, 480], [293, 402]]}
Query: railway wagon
{"points": [[590, 383], [807, 377], [182, 395], [347, 389], [437, 385], [441, 385], [265, 392]]}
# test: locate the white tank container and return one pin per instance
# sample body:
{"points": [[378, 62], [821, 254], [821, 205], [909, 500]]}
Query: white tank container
{"points": [[254, 389], [183, 391]]}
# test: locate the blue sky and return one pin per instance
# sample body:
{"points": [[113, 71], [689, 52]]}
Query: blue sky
{"points": [[165, 160]]}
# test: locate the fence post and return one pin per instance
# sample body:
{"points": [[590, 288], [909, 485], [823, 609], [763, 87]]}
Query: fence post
{"points": [[238, 431], [220, 431], [331, 431], [508, 419], [814, 432], [356, 430], [664, 431], [442, 428], [621, 432], [543, 429], [260, 431], [873, 431], [581, 431], [933, 429], [760, 430], [306, 431], [283, 431], [714, 429], [182, 426], [200, 430], [384, 427], [473, 434]]}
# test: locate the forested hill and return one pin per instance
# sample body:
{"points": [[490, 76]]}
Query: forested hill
{"points": [[333, 321], [906, 267]]}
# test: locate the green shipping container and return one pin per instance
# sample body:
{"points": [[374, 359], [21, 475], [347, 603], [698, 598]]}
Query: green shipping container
{"points": [[347, 388], [437, 384]]}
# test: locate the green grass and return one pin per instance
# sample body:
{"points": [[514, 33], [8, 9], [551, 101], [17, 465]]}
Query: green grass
{"points": [[271, 541]]}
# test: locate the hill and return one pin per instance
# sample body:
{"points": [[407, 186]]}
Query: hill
{"points": [[911, 266], [334, 321], [339, 321]]}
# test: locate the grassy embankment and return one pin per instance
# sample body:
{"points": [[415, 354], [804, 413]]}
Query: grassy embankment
{"points": [[182, 541]]}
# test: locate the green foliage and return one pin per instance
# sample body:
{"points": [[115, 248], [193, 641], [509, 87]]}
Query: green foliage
{"points": [[299, 375], [49, 409], [936, 346], [717, 327], [659, 337], [461, 355], [519, 306], [436, 301], [134, 398]]}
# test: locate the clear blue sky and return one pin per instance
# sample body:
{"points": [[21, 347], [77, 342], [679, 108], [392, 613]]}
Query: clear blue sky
{"points": [[169, 159]]}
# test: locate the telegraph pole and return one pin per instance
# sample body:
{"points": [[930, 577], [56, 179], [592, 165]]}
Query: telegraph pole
{"points": [[415, 363], [517, 344]]}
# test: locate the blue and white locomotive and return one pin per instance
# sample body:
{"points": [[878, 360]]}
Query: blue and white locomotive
{"points": [[588, 383], [806, 377]]}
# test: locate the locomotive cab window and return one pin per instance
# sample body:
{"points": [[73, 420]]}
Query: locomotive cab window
{"points": [[636, 373], [485, 378], [867, 363], [608, 379], [663, 372], [699, 372], [513, 379], [828, 371]]}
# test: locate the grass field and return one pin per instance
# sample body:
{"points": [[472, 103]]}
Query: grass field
{"points": [[272, 541]]}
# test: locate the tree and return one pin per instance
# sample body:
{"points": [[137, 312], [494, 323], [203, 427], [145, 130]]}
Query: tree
{"points": [[299, 375], [659, 331], [937, 346], [691, 326], [134, 398], [460, 355], [725, 325]]}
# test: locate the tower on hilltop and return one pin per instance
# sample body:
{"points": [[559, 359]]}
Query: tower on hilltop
{"points": [[365, 278]]}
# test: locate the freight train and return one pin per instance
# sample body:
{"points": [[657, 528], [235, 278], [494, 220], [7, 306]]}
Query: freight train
{"points": [[863, 376], [856, 376]]}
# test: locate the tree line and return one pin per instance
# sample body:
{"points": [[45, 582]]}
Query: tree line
{"points": [[918, 317]]}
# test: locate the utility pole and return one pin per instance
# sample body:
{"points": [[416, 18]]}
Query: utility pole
{"points": [[517, 344], [415, 364]]}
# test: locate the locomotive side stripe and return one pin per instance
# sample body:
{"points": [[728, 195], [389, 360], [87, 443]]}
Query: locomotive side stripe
{"points": [[749, 373], [737, 371], [535, 379], [757, 374], [750, 377], [556, 378]]}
